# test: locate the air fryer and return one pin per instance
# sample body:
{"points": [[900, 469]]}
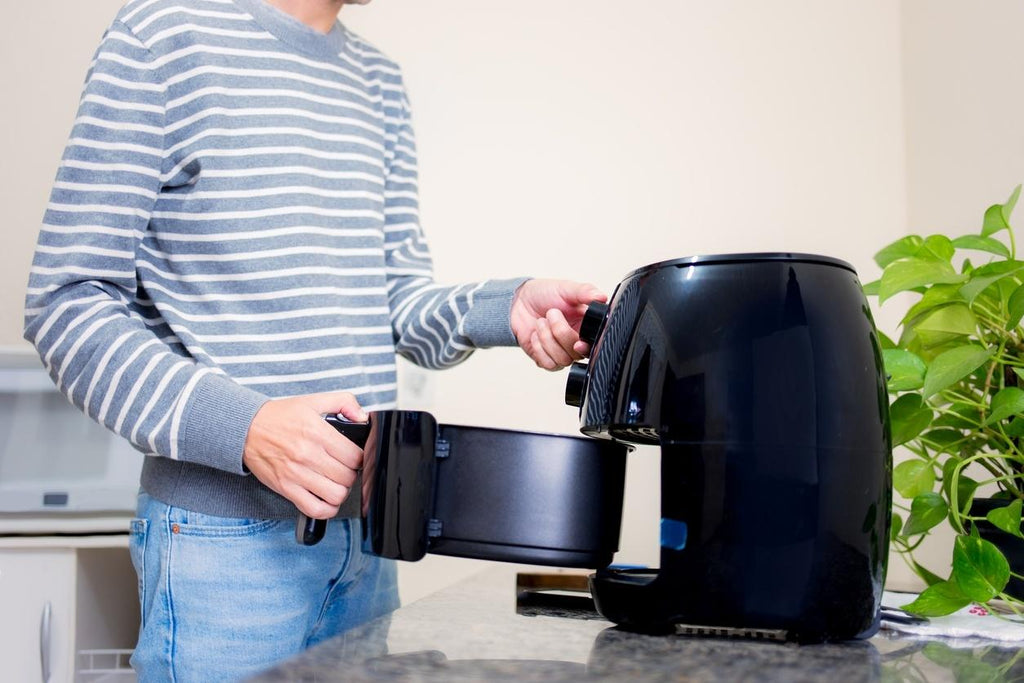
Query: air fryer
{"points": [[759, 377]]}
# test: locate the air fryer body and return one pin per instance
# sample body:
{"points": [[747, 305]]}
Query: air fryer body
{"points": [[761, 379]]}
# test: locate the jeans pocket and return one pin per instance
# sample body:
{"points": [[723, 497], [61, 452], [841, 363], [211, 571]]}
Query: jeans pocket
{"points": [[137, 551], [190, 523]]}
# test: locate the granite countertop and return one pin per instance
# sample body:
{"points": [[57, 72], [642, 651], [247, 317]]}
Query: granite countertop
{"points": [[478, 630]]}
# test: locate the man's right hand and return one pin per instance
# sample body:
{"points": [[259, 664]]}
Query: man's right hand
{"points": [[291, 449]]}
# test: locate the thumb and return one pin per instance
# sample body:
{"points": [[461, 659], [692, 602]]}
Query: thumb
{"points": [[340, 402]]}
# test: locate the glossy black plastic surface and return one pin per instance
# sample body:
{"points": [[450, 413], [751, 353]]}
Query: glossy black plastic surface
{"points": [[760, 377], [489, 494], [525, 497], [398, 483]]}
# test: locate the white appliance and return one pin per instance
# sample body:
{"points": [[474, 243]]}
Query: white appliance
{"points": [[55, 461]]}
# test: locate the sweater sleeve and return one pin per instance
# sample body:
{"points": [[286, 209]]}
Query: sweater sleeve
{"points": [[435, 325], [81, 312]]}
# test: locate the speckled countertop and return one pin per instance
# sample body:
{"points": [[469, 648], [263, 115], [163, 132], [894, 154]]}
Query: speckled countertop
{"points": [[475, 630]]}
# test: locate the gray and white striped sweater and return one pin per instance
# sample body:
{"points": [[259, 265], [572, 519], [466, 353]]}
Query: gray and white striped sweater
{"points": [[235, 219]]}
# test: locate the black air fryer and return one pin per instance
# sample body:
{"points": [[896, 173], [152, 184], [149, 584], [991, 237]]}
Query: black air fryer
{"points": [[760, 378]]}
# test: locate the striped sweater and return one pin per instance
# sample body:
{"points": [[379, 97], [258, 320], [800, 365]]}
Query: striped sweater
{"points": [[235, 219]]}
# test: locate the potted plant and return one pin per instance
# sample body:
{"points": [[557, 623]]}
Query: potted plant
{"points": [[956, 385]]}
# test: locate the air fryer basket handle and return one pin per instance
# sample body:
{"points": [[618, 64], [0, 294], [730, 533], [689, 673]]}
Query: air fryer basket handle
{"points": [[310, 531]]}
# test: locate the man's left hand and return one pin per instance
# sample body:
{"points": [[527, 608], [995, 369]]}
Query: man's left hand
{"points": [[546, 316]]}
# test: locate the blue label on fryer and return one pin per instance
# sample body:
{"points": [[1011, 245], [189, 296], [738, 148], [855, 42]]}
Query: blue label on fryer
{"points": [[673, 534]]}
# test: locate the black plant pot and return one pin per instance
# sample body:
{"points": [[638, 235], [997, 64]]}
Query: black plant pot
{"points": [[1011, 546]]}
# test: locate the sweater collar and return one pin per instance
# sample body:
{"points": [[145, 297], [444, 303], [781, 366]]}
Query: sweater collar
{"points": [[297, 34]]}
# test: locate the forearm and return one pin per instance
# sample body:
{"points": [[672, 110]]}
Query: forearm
{"points": [[108, 362], [439, 326]]}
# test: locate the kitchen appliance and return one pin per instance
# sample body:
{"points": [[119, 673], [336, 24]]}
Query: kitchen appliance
{"points": [[760, 378], [55, 461], [484, 493]]}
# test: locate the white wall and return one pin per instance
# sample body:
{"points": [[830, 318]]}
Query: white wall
{"points": [[45, 49], [964, 103], [583, 139], [580, 139]]}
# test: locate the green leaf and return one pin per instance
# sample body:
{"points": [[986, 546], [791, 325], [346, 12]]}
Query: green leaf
{"points": [[938, 600], [895, 526], [904, 370], [1015, 308], [930, 578], [910, 273], [982, 278], [951, 366], [884, 341], [1010, 203], [943, 440], [926, 511], [912, 478], [959, 417], [945, 324], [934, 297], [1009, 401], [993, 221], [908, 340], [909, 416], [1006, 287], [979, 568], [979, 243], [871, 288], [965, 486], [904, 247], [1015, 428], [936, 248], [997, 216], [1007, 518]]}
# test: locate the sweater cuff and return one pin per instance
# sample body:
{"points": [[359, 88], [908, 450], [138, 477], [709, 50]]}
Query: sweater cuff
{"points": [[488, 322], [216, 424]]}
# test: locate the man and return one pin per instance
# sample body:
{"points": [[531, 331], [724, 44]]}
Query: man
{"points": [[231, 250]]}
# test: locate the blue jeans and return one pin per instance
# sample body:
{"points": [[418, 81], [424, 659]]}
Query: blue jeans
{"points": [[223, 598]]}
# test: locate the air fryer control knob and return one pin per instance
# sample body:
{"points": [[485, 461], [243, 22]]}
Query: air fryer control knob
{"points": [[576, 385], [593, 321]]}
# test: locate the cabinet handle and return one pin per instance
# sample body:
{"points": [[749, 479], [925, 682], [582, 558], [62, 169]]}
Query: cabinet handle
{"points": [[44, 641]]}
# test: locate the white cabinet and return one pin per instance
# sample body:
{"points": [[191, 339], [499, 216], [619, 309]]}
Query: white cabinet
{"points": [[68, 608]]}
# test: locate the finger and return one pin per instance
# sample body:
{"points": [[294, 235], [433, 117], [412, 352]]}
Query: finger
{"points": [[582, 293], [330, 492], [350, 409], [551, 346], [313, 466], [331, 488], [539, 355], [336, 471], [338, 402], [308, 503], [563, 334], [343, 451]]}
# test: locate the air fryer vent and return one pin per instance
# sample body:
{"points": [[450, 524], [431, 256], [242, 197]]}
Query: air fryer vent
{"points": [[731, 632], [638, 434], [606, 359]]}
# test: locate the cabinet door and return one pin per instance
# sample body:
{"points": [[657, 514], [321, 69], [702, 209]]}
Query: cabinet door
{"points": [[37, 594]]}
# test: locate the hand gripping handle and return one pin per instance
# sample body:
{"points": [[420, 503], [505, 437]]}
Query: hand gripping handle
{"points": [[309, 531]]}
